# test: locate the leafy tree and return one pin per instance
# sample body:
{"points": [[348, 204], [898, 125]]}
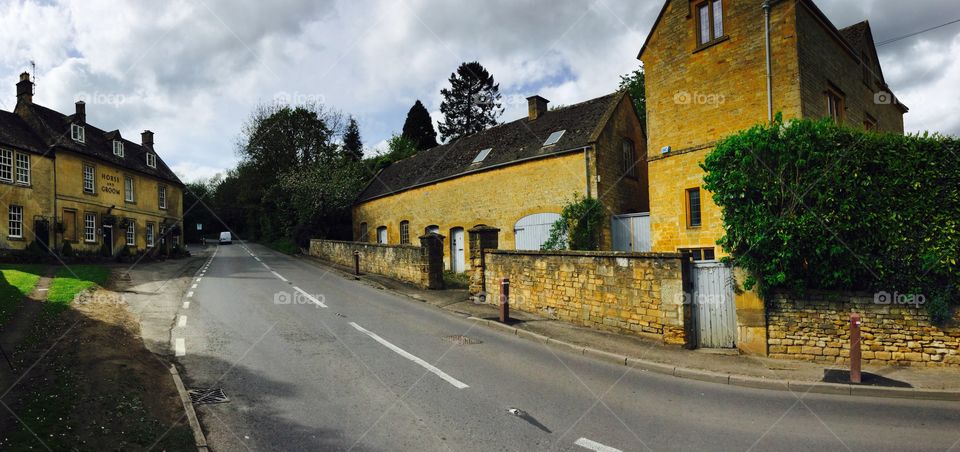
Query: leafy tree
{"points": [[419, 127], [634, 84], [579, 226], [399, 147], [277, 138], [352, 145], [471, 104]]}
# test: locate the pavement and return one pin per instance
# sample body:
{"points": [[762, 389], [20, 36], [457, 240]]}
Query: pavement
{"points": [[310, 358]]}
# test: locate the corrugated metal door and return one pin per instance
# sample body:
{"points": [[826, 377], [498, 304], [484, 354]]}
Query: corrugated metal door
{"points": [[532, 231], [713, 305], [631, 232]]}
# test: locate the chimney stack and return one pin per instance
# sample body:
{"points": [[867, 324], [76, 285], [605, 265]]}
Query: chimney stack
{"points": [[25, 89], [536, 107], [81, 115], [146, 139]]}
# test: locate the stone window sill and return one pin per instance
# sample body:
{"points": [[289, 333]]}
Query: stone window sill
{"points": [[707, 45]]}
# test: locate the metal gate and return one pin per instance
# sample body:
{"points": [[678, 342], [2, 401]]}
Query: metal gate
{"points": [[715, 314], [631, 232]]}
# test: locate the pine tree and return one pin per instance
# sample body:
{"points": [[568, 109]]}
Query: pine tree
{"points": [[352, 146], [419, 127], [471, 104]]}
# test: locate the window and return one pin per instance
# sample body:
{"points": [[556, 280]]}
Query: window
{"points": [[554, 138], [6, 165], [482, 155], [149, 235], [77, 133], [699, 254], [709, 22], [404, 232], [834, 104], [131, 232], [89, 227], [15, 222], [23, 168], [162, 196], [628, 159], [363, 233], [128, 195], [88, 179], [694, 219], [869, 122], [151, 160], [118, 148]]}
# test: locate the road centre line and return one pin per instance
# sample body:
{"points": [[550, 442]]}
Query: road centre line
{"points": [[456, 383], [279, 276], [310, 297], [595, 446]]}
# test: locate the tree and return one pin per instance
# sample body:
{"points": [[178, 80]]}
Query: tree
{"points": [[471, 104], [634, 84], [399, 148], [419, 127], [352, 146]]}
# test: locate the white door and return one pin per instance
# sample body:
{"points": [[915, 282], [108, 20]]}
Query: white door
{"points": [[382, 234], [532, 231], [631, 232], [457, 257]]}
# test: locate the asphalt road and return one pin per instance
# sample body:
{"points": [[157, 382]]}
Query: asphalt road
{"points": [[354, 367]]}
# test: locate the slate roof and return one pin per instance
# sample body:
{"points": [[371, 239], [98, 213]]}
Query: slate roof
{"points": [[510, 143], [855, 34], [16, 133], [52, 129]]}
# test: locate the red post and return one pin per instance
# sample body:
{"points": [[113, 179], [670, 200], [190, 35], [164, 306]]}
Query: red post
{"points": [[356, 263], [854, 348], [504, 300]]}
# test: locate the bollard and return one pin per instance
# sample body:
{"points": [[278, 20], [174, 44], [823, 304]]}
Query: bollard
{"points": [[504, 300], [854, 348], [356, 263]]}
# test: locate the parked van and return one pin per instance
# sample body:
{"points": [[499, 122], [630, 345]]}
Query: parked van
{"points": [[225, 238]]}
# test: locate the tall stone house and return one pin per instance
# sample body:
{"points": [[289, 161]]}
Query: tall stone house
{"points": [[64, 180], [516, 177], [707, 76]]}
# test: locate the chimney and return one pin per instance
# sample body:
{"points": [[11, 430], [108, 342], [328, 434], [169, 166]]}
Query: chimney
{"points": [[536, 107], [146, 139], [81, 114], [25, 89]]}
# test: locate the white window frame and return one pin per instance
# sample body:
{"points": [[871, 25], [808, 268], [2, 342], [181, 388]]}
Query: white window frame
{"points": [[131, 232], [118, 148], [6, 165], [129, 190], [77, 133], [90, 227], [162, 196], [15, 221], [151, 160], [92, 179], [23, 168], [149, 233]]}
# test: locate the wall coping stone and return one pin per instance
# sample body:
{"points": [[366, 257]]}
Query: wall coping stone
{"points": [[627, 254], [347, 242]]}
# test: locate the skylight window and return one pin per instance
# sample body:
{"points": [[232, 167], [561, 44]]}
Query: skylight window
{"points": [[482, 155], [554, 138]]}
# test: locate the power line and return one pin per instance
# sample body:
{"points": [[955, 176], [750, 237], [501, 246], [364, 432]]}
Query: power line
{"points": [[888, 41]]}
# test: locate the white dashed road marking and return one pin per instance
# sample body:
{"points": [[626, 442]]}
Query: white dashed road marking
{"points": [[193, 286], [310, 297], [180, 347], [279, 276], [182, 321], [190, 294], [593, 445], [186, 305], [456, 383]]}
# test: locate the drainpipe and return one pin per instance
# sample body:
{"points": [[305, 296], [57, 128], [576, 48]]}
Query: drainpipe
{"points": [[586, 167], [766, 29]]}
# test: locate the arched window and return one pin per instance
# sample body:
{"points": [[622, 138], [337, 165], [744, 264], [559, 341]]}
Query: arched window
{"points": [[362, 234], [404, 232]]}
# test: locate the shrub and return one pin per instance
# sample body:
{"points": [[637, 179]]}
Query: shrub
{"points": [[579, 226], [67, 250]]}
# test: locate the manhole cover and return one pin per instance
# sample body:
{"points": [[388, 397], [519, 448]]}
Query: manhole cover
{"points": [[460, 339], [204, 396]]}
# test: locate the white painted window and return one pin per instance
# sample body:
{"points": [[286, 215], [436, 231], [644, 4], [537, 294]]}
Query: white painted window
{"points": [[118, 148], [162, 196], [15, 222], [151, 160], [77, 133], [6, 165], [23, 168], [131, 233], [90, 227], [128, 194], [405, 232], [88, 178], [149, 235]]}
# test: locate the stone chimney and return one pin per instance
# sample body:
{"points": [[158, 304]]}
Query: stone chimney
{"points": [[81, 112], [146, 139], [536, 107], [25, 89]]}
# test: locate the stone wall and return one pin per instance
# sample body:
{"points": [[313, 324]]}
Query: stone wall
{"points": [[817, 328], [420, 265], [629, 293]]}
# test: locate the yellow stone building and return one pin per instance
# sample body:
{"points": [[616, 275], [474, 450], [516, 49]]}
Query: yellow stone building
{"points": [[64, 180], [515, 176]]}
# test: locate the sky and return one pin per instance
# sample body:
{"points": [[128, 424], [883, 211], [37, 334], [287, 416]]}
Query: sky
{"points": [[193, 71]]}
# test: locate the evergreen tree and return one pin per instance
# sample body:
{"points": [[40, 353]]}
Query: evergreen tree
{"points": [[419, 127], [352, 146], [471, 104]]}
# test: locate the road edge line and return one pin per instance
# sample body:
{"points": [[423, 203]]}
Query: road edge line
{"points": [[198, 437]]}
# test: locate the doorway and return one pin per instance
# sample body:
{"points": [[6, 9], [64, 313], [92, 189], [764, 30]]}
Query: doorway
{"points": [[457, 256], [108, 240]]}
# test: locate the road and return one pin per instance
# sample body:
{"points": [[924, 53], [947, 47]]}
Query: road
{"points": [[350, 366]]}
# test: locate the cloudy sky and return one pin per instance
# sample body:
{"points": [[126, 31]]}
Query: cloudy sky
{"points": [[192, 70]]}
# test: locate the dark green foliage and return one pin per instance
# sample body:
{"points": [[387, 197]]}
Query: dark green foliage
{"points": [[67, 250], [633, 83], [471, 104], [579, 226], [419, 127], [400, 147], [352, 145], [812, 205]]}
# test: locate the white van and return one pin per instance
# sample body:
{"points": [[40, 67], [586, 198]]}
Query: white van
{"points": [[225, 238]]}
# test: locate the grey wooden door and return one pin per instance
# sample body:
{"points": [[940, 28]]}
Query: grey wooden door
{"points": [[714, 310], [631, 232]]}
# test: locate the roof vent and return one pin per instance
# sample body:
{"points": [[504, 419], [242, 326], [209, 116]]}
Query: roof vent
{"points": [[553, 138], [482, 155]]}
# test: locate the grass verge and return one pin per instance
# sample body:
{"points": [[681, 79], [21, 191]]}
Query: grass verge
{"points": [[283, 245], [69, 281], [454, 280], [18, 281]]}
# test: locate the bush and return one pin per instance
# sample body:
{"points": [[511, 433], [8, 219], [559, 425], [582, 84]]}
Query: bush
{"points": [[579, 226], [813, 205]]}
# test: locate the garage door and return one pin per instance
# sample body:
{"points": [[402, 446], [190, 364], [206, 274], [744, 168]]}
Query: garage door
{"points": [[532, 231]]}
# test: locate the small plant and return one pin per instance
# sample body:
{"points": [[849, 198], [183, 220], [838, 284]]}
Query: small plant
{"points": [[579, 226]]}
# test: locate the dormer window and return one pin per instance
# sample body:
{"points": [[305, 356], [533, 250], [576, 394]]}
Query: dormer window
{"points": [[77, 133], [118, 148], [151, 160]]}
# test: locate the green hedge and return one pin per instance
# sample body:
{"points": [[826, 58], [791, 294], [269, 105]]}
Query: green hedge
{"points": [[812, 205]]}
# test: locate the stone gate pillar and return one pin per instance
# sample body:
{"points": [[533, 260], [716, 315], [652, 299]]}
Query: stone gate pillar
{"points": [[431, 260], [481, 237]]}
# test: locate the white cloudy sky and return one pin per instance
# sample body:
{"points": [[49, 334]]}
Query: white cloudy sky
{"points": [[192, 70]]}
